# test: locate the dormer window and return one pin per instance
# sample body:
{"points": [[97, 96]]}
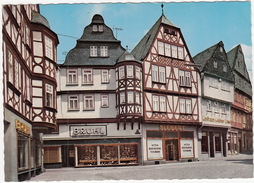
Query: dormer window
{"points": [[224, 68], [215, 64], [104, 51], [93, 51], [221, 49], [97, 28]]}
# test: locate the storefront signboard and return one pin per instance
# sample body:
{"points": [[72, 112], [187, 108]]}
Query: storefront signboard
{"points": [[22, 127], [187, 148], [88, 130], [154, 149]]}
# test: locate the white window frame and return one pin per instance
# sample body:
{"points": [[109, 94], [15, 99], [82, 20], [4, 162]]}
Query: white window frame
{"points": [[182, 108], [174, 51], [187, 79], [167, 50], [122, 97], [216, 107], [49, 100], [104, 51], [89, 102], [73, 102], [181, 78], [155, 70], [209, 105], [130, 97], [10, 67], [163, 104], [160, 48], [224, 68], [138, 72], [87, 76], [162, 74], [156, 103], [95, 28], [104, 100], [104, 76], [16, 74], [121, 72], [215, 64], [188, 106], [180, 53], [93, 51], [137, 97], [100, 28], [49, 48], [72, 76], [130, 71]]}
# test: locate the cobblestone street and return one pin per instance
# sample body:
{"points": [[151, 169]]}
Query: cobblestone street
{"points": [[239, 166]]}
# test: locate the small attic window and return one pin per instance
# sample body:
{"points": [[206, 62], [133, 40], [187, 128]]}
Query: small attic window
{"points": [[221, 49], [97, 28], [100, 28], [169, 31], [224, 68], [215, 64]]}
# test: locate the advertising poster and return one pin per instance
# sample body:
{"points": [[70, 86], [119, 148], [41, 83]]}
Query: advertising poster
{"points": [[187, 148], [154, 149]]}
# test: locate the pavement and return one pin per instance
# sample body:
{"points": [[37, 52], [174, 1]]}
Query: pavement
{"points": [[231, 167]]}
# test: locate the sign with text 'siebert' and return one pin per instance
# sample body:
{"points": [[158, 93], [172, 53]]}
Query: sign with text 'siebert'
{"points": [[88, 130]]}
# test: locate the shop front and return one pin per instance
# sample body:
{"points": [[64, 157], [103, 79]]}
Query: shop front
{"points": [[92, 145], [213, 142], [167, 143]]}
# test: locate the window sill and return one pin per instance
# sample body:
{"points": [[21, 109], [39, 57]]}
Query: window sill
{"points": [[185, 113], [88, 109], [84, 84], [105, 82], [73, 110], [71, 84], [160, 112], [183, 86], [104, 106], [157, 82]]}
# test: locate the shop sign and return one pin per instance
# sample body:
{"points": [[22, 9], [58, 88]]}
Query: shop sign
{"points": [[216, 120], [22, 127], [154, 149], [187, 148], [87, 130], [171, 128]]}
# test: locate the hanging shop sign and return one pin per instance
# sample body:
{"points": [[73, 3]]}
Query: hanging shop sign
{"points": [[154, 149], [187, 148], [171, 128], [22, 127], [88, 131]]}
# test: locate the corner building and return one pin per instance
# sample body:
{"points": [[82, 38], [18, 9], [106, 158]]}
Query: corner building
{"points": [[99, 104], [170, 95], [29, 88]]}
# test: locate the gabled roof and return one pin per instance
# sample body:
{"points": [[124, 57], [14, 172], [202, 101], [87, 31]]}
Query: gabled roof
{"points": [[215, 53], [238, 65], [80, 54], [142, 48]]}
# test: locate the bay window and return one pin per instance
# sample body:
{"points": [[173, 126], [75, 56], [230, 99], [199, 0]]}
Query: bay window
{"points": [[121, 72], [49, 95], [130, 97], [48, 48], [122, 98], [138, 72], [129, 71]]}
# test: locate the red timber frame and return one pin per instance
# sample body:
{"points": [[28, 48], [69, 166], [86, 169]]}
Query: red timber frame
{"points": [[171, 88]]}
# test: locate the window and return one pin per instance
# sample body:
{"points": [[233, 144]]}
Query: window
{"points": [[104, 76], [52, 154], [93, 51], [155, 73], [216, 107], [185, 106], [155, 103], [174, 51], [72, 77], [17, 74], [137, 98], [121, 72], [204, 143], [180, 52], [48, 47], [167, 50], [104, 101], [160, 48], [130, 97], [159, 103], [129, 71], [49, 95], [100, 28], [213, 82], [10, 66], [209, 105], [162, 103], [184, 78], [162, 74], [225, 86], [22, 152], [158, 74], [95, 28], [138, 72], [88, 102], [104, 51], [215, 64], [217, 142], [73, 102], [87, 76], [224, 68], [223, 108], [122, 98]]}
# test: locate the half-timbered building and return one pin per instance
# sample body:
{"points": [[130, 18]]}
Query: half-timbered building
{"points": [[240, 134], [29, 88], [217, 94], [99, 103], [170, 95]]}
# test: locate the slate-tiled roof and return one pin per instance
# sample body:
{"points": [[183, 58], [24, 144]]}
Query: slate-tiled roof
{"points": [[126, 56], [80, 54], [207, 58], [242, 80], [38, 18], [142, 48]]}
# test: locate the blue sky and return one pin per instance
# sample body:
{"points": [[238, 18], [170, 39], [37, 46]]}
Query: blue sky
{"points": [[203, 24]]}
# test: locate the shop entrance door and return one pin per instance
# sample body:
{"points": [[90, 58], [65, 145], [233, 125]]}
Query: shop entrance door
{"points": [[172, 150], [68, 157]]}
